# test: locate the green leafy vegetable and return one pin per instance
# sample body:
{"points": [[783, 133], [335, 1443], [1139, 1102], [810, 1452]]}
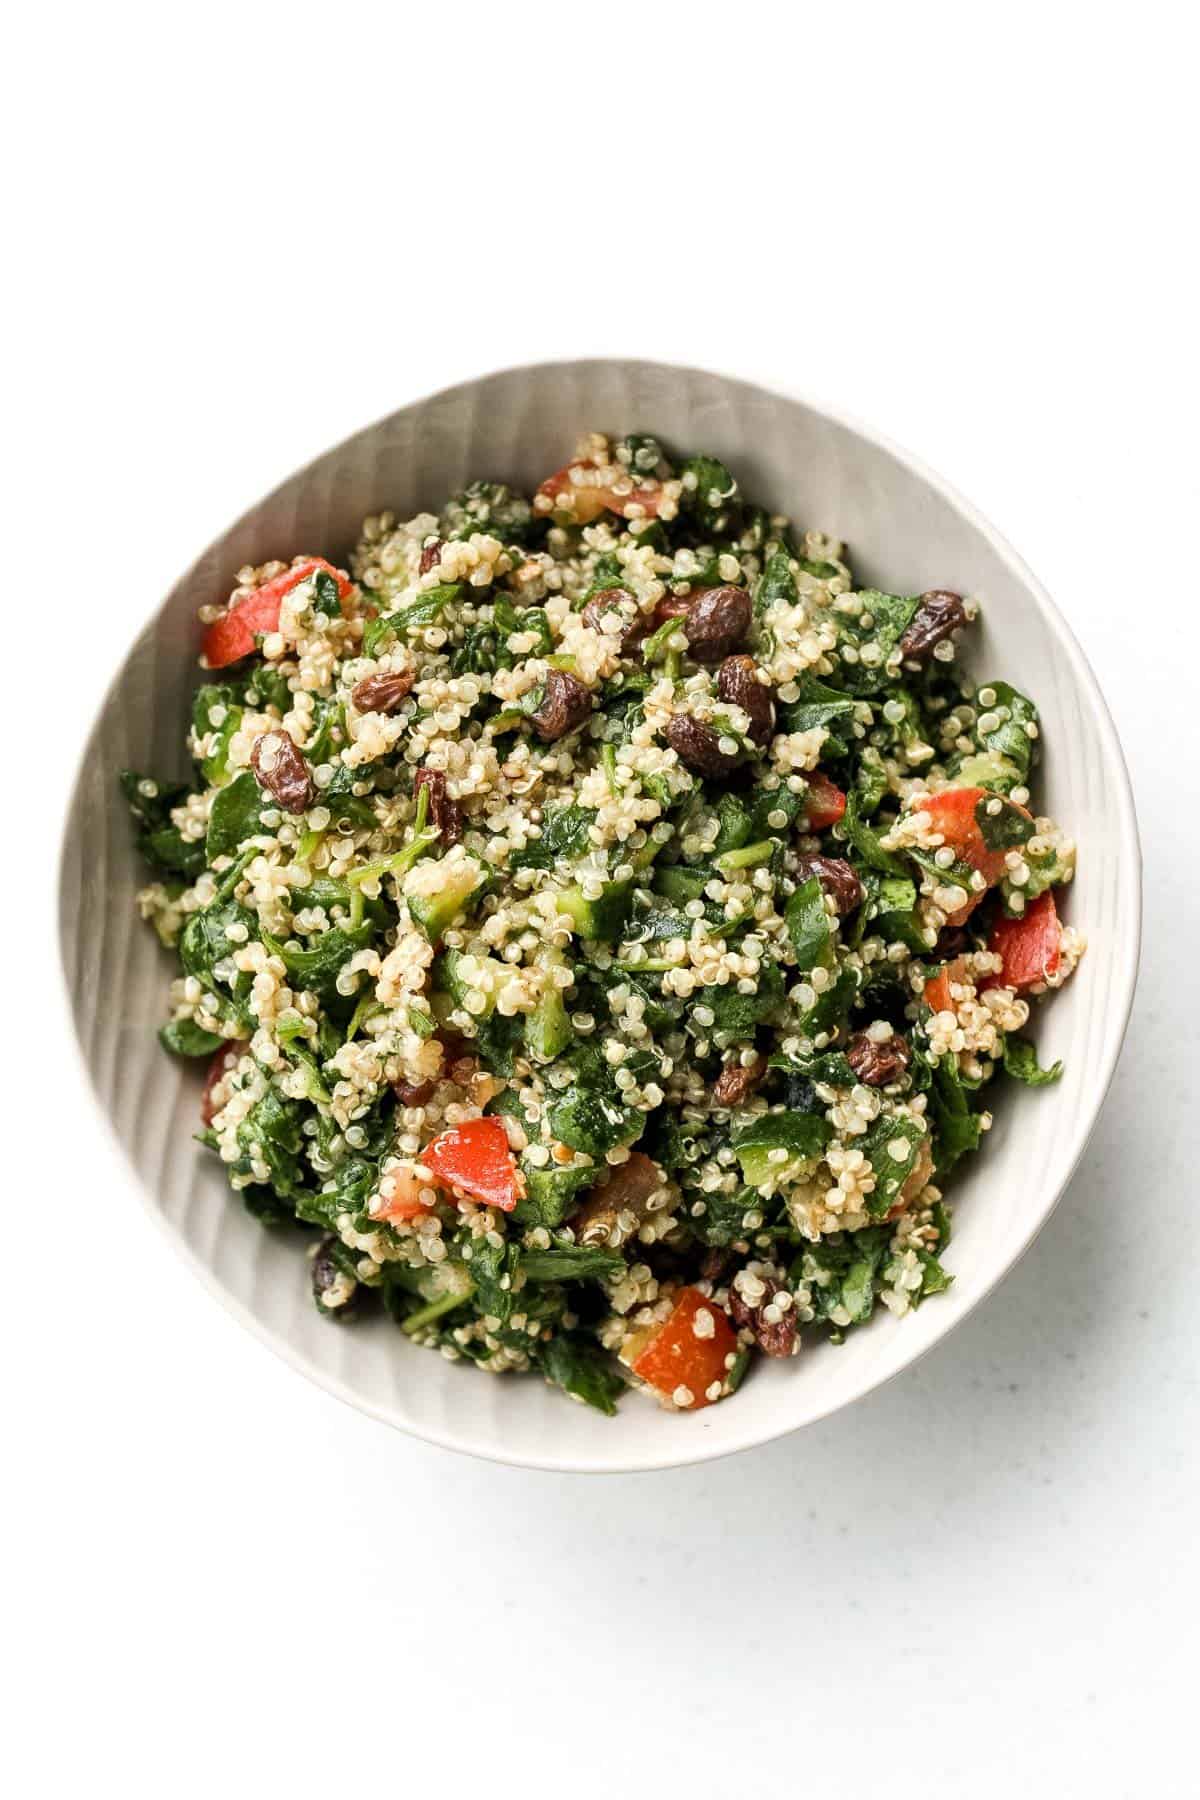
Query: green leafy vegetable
{"points": [[183, 1037], [808, 926], [566, 1261], [818, 705], [891, 1146], [776, 583], [1002, 825], [879, 626], [552, 1193], [490, 507], [780, 1147], [956, 1128], [575, 1364], [161, 843], [1008, 736], [842, 1273], [317, 968], [865, 842], [216, 715], [235, 816], [1021, 1062], [710, 496], [564, 836]]}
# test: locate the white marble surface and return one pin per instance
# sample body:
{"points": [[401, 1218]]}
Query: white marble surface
{"points": [[984, 1576]]}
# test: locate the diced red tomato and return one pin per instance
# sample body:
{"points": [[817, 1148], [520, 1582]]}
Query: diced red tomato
{"points": [[824, 804], [584, 504], [404, 1201], [1031, 946], [953, 814], [476, 1159], [230, 638], [676, 1357], [222, 1061]]}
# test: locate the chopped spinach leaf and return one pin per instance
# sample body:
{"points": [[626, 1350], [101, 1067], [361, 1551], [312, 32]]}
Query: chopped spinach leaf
{"points": [[234, 816], [183, 1037], [575, 1364], [1021, 1062]]}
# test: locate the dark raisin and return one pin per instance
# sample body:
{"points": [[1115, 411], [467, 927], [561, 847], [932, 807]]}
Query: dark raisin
{"points": [[939, 613], [672, 606], [836, 877], [335, 1293], [618, 602], [665, 1264], [877, 1064], [735, 1082], [716, 622], [566, 703], [383, 693], [413, 1093], [698, 746], [774, 1337], [738, 683], [431, 555], [952, 941], [280, 768], [715, 1263], [444, 813], [454, 1047]]}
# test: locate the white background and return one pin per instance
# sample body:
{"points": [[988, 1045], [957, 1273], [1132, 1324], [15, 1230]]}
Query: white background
{"points": [[236, 235]]}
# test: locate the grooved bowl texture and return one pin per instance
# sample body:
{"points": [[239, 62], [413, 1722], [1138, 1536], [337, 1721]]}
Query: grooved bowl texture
{"points": [[906, 531]]}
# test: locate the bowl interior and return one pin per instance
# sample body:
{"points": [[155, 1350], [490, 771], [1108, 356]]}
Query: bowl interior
{"points": [[905, 532]]}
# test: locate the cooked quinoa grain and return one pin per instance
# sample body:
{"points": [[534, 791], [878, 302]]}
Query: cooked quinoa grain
{"points": [[600, 920]]}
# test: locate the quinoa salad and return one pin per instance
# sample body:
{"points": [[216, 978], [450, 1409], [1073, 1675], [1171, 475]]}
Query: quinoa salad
{"points": [[602, 924]]}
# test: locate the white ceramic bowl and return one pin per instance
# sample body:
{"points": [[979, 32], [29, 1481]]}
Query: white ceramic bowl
{"points": [[906, 531]]}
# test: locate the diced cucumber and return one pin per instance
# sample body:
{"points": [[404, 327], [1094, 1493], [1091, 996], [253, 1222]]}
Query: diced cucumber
{"points": [[988, 769], [435, 912], [748, 857], [802, 1136], [679, 883], [548, 1029], [460, 982], [601, 918]]}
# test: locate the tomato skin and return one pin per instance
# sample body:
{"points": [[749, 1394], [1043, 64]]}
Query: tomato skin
{"points": [[222, 1061], [231, 637], [1030, 947], [824, 804], [675, 1357], [587, 503], [476, 1159]]}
